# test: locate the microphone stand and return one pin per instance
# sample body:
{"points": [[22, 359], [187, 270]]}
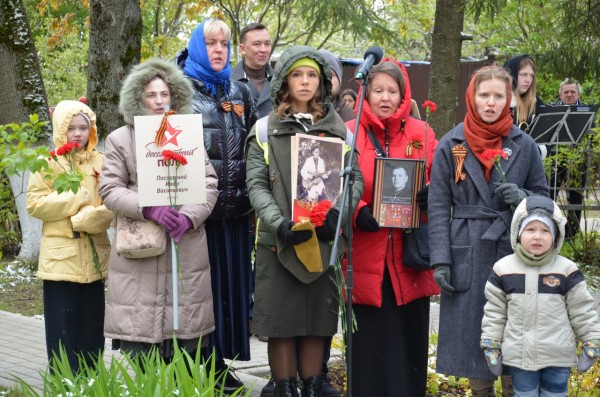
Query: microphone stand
{"points": [[348, 175]]}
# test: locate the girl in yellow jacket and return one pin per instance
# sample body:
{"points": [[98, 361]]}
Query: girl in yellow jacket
{"points": [[72, 281]]}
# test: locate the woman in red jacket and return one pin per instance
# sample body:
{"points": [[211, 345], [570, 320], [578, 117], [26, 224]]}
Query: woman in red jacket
{"points": [[391, 301]]}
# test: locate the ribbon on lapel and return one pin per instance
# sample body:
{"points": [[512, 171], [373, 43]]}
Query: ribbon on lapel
{"points": [[237, 108], [459, 152]]}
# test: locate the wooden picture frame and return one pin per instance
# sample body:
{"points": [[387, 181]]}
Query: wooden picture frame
{"points": [[396, 183]]}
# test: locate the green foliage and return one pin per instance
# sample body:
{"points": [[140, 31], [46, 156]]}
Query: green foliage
{"points": [[19, 155], [16, 143], [149, 376], [584, 248], [60, 29], [167, 25], [10, 235], [67, 181]]}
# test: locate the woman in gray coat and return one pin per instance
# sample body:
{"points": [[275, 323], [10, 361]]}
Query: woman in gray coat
{"points": [[139, 307], [470, 201]]}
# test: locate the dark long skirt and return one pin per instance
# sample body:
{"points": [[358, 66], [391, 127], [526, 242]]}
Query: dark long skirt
{"points": [[390, 347], [230, 266]]}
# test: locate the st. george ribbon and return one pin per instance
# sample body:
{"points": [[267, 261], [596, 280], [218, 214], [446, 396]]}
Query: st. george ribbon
{"points": [[372, 57]]}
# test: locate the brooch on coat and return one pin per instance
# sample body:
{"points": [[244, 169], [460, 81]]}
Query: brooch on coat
{"points": [[459, 152]]}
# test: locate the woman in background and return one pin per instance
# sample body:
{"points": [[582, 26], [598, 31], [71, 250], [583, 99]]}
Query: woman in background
{"points": [[525, 103], [228, 113]]}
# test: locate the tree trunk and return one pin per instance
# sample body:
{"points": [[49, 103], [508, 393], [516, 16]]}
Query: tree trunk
{"points": [[31, 227], [21, 94], [21, 86], [445, 64], [115, 46]]}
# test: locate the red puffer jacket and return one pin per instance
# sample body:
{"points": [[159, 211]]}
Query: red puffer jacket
{"points": [[371, 251]]}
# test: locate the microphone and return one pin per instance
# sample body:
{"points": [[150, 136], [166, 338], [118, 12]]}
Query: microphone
{"points": [[372, 57]]}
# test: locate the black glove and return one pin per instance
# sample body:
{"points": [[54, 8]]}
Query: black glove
{"points": [[326, 232], [365, 221], [285, 232], [441, 276], [510, 193], [422, 196]]}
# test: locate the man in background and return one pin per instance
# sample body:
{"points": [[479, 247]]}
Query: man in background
{"points": [[255, 69], [568, 94]]}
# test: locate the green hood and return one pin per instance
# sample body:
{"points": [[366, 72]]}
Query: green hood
{"points": [[131, 99], [287, 59]]}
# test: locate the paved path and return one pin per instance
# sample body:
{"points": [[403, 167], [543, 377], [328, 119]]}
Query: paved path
{"points": [[23, 352]]}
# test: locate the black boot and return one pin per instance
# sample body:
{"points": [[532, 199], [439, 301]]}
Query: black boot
{"points": [[286, 388], [311, 387]]}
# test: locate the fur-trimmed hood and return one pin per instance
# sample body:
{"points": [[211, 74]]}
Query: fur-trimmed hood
{"points": [[287, 59], [131, 98], [544, 205]]}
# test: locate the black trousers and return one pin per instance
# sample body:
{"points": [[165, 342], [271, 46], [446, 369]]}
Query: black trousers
{"points": [[390, 347], [74, 318]]}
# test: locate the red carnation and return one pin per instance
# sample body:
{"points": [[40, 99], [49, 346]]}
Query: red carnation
{"points": [[171, 155], [493, 155], [318, 212], [429, 106]]}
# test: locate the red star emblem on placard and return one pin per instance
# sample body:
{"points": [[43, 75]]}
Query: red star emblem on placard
{"points": [[170, 135]]}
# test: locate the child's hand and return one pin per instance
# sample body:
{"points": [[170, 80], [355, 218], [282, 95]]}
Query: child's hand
{"points": [[589, 354], [493, 355]]}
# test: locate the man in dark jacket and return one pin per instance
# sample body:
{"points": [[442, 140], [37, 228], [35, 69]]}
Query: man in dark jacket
{"points": [[255, 70], [568, 94]]}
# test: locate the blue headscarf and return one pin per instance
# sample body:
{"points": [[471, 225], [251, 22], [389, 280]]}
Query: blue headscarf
{"points": [[197, 64]]}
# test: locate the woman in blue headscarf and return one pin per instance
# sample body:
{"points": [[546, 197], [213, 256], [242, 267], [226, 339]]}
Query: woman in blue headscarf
{"points": [[228, 113]]}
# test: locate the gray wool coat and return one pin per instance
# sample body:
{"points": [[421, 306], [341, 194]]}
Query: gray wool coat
{"points": [[471, 227]]}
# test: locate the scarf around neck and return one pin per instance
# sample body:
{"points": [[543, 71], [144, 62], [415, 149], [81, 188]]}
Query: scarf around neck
{"points": [[534, 260], [197, 64], [480, 135]]}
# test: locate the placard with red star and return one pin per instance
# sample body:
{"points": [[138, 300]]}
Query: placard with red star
{"points": [[183, 134]]}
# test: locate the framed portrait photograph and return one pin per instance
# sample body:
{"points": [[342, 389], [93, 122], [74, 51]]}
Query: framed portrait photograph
{"points": [[316, 164], [396, 184]]}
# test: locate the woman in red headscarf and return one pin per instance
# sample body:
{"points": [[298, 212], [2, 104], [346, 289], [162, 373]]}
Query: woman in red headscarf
{"points": [[481, 170], [391, 300]]}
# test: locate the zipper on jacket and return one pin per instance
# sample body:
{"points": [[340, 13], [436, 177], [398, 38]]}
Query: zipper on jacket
{"points": [[390, 245], [225, 169], [387, 141]]}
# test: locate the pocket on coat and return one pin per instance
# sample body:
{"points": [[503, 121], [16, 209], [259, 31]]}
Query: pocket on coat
{"points": [[462, 267], [60, 253]]}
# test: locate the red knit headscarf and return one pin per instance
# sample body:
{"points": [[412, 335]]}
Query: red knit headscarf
{"points": [[480, 135]]}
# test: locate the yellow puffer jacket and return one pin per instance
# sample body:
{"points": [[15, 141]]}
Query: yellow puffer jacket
{"points": [[69, 219]]}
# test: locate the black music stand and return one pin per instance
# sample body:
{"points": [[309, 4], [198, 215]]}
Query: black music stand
{"points": [[562, 124]]}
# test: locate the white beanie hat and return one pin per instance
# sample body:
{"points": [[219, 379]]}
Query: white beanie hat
{"points": [[545, 219]]}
